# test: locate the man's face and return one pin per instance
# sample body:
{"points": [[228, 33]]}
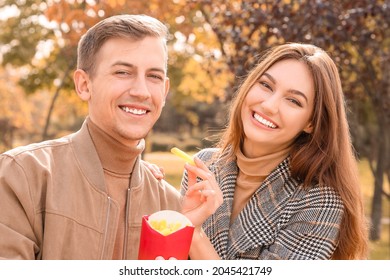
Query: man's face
{"points": [[128, 88]]}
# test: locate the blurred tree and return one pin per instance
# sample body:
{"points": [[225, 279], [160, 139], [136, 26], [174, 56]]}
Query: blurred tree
{"points": [[36, 45], [15, 111], [366, 68], [42, 38]]}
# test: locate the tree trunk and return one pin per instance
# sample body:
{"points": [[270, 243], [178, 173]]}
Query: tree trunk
{"points": [[51, 108], [379, 174], [376, 210]]}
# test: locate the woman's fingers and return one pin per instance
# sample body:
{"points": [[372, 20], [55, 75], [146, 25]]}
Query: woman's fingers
{"points": [[200, 171], [199, 186], [207, 190], [157, 171], [205, 194], [211, 200], [200, 164]]}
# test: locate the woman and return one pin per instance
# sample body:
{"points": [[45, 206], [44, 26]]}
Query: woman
{"points": [[285, 166]]}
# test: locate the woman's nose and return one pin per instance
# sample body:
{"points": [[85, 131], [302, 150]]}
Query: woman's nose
{"points": [[271, 104]]}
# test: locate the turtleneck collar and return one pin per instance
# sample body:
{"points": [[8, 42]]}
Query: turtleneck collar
{"points": [[114, 156], [260, 166], [252, 172]]}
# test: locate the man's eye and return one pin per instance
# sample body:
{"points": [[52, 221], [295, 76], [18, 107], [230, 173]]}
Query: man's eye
{"points": [[122, 73], [158, 77]]}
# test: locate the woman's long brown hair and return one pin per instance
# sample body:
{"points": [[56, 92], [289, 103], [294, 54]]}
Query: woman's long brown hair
{"points": [[324, 156]]}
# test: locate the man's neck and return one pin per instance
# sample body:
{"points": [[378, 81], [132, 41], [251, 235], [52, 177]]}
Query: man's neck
{"points": [[114, 156]]}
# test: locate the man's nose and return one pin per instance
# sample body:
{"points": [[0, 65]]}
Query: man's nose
{"points": [[139, 88]]}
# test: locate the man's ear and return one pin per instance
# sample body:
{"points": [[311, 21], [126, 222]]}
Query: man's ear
{"points": [[167, 84], [308, 129], [82, 84]]}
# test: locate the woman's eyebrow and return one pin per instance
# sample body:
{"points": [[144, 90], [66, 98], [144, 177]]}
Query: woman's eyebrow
{"points": [[297, 92], [270, 77], [294, 91]]}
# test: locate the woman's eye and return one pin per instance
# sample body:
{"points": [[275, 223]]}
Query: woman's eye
{"points": [[266, 85], [294, 101]]}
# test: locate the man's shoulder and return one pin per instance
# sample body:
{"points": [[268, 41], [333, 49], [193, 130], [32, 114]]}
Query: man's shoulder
{"points": [[38, 154], [37, 147], [33, 158]]}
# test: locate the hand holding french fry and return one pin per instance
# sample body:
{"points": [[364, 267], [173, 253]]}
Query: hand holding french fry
{"points": [[187, 158], [202, 198]]}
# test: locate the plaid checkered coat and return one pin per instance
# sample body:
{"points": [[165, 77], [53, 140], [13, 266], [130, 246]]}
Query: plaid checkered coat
{"points": [[282, 220]]}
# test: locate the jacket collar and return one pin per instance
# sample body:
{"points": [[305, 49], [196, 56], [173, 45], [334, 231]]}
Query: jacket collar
{"points": [[88, 159], [256, 225], [89, 162]]}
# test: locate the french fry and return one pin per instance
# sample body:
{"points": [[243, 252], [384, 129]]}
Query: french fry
{"points": [[164, 227], [183, 155], [165, 233]]}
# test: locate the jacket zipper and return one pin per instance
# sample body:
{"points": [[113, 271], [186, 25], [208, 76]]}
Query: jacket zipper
{"points": [[106, 227], [126, 225]]}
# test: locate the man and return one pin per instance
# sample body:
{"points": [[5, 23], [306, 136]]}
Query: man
{"points": [[83, 196]]}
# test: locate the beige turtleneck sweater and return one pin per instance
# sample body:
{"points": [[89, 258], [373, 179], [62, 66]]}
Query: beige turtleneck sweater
{"points": [[118, 162], [252, 172]]}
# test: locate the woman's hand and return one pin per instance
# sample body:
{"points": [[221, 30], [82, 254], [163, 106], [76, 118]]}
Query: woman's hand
{"points": [[202, 198], [158, 172]]}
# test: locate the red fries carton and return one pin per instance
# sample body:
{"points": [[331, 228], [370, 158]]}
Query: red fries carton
{"points": [[167, 234]]}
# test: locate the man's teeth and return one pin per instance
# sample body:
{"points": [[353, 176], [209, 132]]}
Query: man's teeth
{"points": [[134, 111], [264, 121]]}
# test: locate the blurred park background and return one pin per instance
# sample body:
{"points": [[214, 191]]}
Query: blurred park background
{"points": [[212, 46]]}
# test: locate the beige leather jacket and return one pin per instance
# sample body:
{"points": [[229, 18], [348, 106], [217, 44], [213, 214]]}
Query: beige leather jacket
{"points": [[54, 203]]}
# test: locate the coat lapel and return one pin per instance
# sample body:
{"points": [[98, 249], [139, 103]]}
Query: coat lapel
{"points": [[217, 225], [257, 224]]}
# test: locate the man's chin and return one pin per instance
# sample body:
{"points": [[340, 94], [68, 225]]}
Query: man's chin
{"points": [[133, 137]]}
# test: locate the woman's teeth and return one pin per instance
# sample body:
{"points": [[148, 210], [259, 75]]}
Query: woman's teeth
{"points": [[264, 121]]}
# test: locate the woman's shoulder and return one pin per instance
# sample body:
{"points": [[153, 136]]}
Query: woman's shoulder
{"points": [[207, 153], [218, 161], [323, 196], [212, 156]]}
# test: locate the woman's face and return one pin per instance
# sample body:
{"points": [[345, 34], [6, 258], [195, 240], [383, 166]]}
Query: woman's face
{"points": [[277, 108]]}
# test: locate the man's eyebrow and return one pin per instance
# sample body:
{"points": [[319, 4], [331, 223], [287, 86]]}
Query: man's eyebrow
{"points": [[123, 63], [294, 91], [129, 65]]}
